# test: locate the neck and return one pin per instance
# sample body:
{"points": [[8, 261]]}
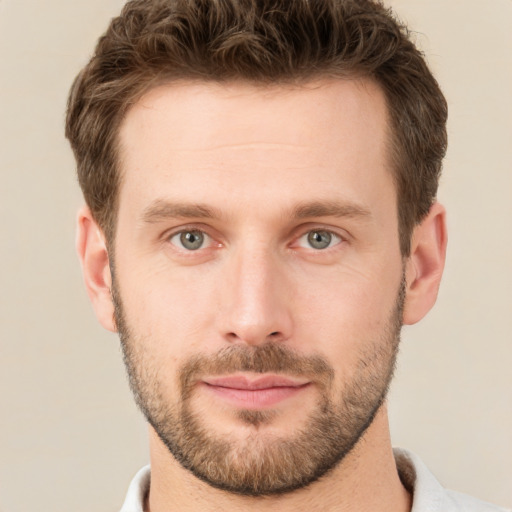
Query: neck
{"points": [[366, 480]]}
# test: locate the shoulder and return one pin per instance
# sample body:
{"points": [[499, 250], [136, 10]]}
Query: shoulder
{"points": [[428, 494]]}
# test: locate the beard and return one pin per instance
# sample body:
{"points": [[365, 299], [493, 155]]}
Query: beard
{"points": [[262, 463]]}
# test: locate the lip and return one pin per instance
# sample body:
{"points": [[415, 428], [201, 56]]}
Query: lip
{"points": [[254, 393]]}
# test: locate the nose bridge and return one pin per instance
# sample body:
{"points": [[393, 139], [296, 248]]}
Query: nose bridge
{"points": [[256, 306]]}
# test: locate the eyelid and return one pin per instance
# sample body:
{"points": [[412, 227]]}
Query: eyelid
{"points": [[335, 240], [304, 230], [206, 240], [201, 228], [213, 238]]}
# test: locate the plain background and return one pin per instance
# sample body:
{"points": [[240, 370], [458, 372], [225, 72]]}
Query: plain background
{"points": [[70, 437]]}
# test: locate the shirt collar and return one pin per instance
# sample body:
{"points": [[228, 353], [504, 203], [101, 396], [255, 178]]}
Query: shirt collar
{"points": [[137, 491], [428, 494]]}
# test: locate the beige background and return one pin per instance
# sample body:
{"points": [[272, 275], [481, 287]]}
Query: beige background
{"points": [[70, 438]]}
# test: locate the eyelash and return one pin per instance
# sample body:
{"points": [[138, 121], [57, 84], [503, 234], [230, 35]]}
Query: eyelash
{"points": [[189, 230], [333, 237], [208, 239]]}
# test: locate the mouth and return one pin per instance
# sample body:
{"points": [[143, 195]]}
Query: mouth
{"points": [[256, 393]]}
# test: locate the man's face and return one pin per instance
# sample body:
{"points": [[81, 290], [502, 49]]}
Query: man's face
{"points": [[258, 278]]}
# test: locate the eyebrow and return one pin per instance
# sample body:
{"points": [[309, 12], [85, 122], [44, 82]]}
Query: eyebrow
{"points": [[161, 210], [330, 209]]}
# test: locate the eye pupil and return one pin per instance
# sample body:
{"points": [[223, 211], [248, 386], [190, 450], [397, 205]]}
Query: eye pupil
{"points": [[319, 239], [192, 240]]}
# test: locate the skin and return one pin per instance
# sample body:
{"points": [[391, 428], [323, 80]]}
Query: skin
{"points": [[254, 156]]}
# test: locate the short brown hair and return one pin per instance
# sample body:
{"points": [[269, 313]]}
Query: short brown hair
{"points": [[260, 41]]}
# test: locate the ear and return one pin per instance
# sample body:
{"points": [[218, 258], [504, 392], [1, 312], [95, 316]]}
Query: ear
{"points": [[425, 265], [93, 254]]}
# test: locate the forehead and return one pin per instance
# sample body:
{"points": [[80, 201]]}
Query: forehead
{"points": [[211, 109], [190, 137]]}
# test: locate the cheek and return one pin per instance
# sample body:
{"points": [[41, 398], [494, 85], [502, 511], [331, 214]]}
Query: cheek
{"points": [[170, 309], [348, 315]]}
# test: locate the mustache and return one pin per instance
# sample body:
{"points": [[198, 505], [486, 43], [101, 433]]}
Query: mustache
{"points": [[270, 357]]}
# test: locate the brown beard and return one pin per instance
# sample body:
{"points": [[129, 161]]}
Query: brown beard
{"points": [[262, 464]]}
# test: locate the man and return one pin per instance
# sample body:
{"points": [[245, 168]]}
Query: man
{"points": [[260, 180]]}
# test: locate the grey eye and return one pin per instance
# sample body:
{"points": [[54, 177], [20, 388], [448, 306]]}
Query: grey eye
{"points": [[319, 239], [189, 240]]}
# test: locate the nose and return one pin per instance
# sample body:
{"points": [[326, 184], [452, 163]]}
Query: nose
{"points": [[255, 300]]}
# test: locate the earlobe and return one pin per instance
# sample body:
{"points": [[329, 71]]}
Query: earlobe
{"points": [[93, 255], [425, 265]]}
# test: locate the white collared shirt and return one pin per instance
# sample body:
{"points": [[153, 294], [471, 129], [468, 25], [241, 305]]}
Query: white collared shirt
{"points": [[428, 494]]}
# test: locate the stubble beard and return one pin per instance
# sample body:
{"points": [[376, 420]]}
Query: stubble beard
{"points": [[262, 464]]}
